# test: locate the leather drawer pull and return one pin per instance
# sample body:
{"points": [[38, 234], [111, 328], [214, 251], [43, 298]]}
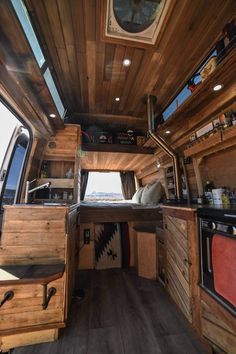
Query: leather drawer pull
{"points": [[7, 297], [47, 295]]}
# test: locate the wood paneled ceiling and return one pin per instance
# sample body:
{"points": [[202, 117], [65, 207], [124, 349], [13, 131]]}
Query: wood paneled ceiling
{"points": [[89, 69], [110, 161]]}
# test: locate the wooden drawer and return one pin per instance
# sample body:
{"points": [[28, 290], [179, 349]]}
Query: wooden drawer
{"points": [[220, 334], [25, 309]]}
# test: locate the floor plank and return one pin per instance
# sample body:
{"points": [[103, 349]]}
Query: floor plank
{"points": [[121, 313]]}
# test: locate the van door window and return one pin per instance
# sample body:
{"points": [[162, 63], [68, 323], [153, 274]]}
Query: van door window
{"points": [[14, 170], [14, 143]]}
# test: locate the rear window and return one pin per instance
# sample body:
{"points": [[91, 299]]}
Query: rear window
{"points": [[103, 186]]}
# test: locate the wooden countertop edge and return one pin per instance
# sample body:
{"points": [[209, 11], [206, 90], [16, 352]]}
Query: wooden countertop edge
{"points": [[40, 280], [179, 207], [40, 206], [21, 330]]}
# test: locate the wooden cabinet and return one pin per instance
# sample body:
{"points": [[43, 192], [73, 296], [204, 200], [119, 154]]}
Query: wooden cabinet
{"points": [[25, 309], [37, 235], [147, 254], [60, 166], [181, 261]]}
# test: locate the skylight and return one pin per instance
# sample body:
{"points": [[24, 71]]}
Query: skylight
{"points": [[23, 16], [24, 19], [53, 90]]}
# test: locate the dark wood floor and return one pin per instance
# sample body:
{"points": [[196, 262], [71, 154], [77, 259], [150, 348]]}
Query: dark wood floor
{"points": [[121, 313]]}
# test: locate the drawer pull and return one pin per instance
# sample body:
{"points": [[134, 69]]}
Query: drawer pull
{"points": [[47, 295], [7, 297]]}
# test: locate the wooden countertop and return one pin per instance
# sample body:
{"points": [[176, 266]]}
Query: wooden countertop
{"points": [[68, 207], [189, 207], [30, 274]]}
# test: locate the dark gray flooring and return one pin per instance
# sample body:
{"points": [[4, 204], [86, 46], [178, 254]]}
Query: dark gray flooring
{"points": [[121, 313]]}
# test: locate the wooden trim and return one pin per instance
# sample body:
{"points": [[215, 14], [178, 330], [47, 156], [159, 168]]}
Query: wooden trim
{"points": [[9, 332], [186, 213], [32, 274], [57, 182]]}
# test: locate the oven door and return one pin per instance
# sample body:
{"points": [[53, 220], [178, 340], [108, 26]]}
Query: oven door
{"points": [[218, 263]]}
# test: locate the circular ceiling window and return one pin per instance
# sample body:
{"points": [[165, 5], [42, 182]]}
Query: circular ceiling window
{"points": [[135, 16]]}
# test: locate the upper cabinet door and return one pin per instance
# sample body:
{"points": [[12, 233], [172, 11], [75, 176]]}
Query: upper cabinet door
{"points": [[12, 165]]}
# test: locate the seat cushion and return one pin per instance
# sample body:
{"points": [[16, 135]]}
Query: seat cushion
{"points": [[152, 193]]}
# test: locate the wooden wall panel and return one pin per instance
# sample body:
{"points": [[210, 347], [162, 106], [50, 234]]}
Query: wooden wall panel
{"points": [[64, 145], [220, 168], [28, 225]]}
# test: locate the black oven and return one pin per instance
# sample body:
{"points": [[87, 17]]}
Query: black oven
{"points": [[217, 230]]}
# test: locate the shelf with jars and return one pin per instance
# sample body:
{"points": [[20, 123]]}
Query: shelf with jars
{"points": [[219, 134]]}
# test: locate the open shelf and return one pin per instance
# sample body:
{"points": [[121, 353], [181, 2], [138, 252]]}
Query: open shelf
{"points": [[57, 182], [118, 148], [222, 139], [203, 104]]}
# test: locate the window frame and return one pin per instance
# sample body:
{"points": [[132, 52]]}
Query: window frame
{"points": [[19, 189], [46, 65], [103, 171]]}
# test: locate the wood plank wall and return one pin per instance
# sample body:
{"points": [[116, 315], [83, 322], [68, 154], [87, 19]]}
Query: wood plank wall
{"points": [[220, 168], [32, 235]]}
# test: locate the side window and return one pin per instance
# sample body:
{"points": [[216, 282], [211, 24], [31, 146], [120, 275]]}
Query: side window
{"points": [[14, 140], [13, 173]]}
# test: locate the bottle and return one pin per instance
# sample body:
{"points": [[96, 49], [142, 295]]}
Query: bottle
{"points": [[208, 192], [225, 198]]}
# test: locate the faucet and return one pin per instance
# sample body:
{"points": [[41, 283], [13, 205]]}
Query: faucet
{"points": [[29, 191]]}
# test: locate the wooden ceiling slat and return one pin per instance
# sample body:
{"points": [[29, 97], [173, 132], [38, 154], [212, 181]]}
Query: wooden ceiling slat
{"points": [[91, 67], [68, 35], [108, 60], [100, 59], [77, 12], [134, 95], [122, 79], [52, 12], [132, 74], [116, 70], [90, 19]]}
